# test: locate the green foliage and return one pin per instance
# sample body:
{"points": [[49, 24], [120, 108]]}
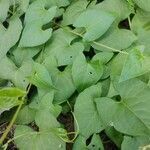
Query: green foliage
{"points": [[133, 143], [30, 139], [4, 7], [99, 23], [123, 37], [144, 4], [10, 97], [36, 17], [88, 73], [10, 36], [89, 121], [95, 143], [78, 70], [127, 109]]}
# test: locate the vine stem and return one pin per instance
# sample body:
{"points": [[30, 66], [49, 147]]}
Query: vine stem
{"points": [[102, 45], [11, 124], [94, 42], [14, 117], [113, 49], [129, 20]]}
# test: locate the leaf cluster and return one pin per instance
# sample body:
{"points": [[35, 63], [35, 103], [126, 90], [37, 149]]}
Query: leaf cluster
{"points": [[88, 58]]}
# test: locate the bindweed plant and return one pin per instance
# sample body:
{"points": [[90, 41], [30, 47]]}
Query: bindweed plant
{"points": [[88, 59]]}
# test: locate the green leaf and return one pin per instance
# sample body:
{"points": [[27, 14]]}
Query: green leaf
{"points": [[100, 21], [86, 74], [64, 83], [4, 7], [61, 48], [140, 21], [36, 17], [26, 115], [143, 39], [45, 117], [41, 78], [58, 3], [80, 143], [134, 143], [30, 139], [103, 57], [9, 97], [86, 113], [23, 5], [112, 6], [144, 4], [131, 114], [23, 54], [20, 6], [114, 135], [105, 86], [85, 67], [21, 75], [141, 25], [135, 65], [8, 68], [112, 91], [73, 11], [116, 67], [52, 65], [62, 80], [49, 129], [95, 143], [10, 36], [115, 38]]}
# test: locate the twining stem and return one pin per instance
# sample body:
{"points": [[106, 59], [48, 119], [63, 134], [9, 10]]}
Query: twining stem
{"points": [[14, 117], [11, 124]]}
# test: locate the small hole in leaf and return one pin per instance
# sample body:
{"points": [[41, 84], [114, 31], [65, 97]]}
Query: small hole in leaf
{"points": [[93, 145], [90, 72], [46, 7], [71, 57], [61, 68]]}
